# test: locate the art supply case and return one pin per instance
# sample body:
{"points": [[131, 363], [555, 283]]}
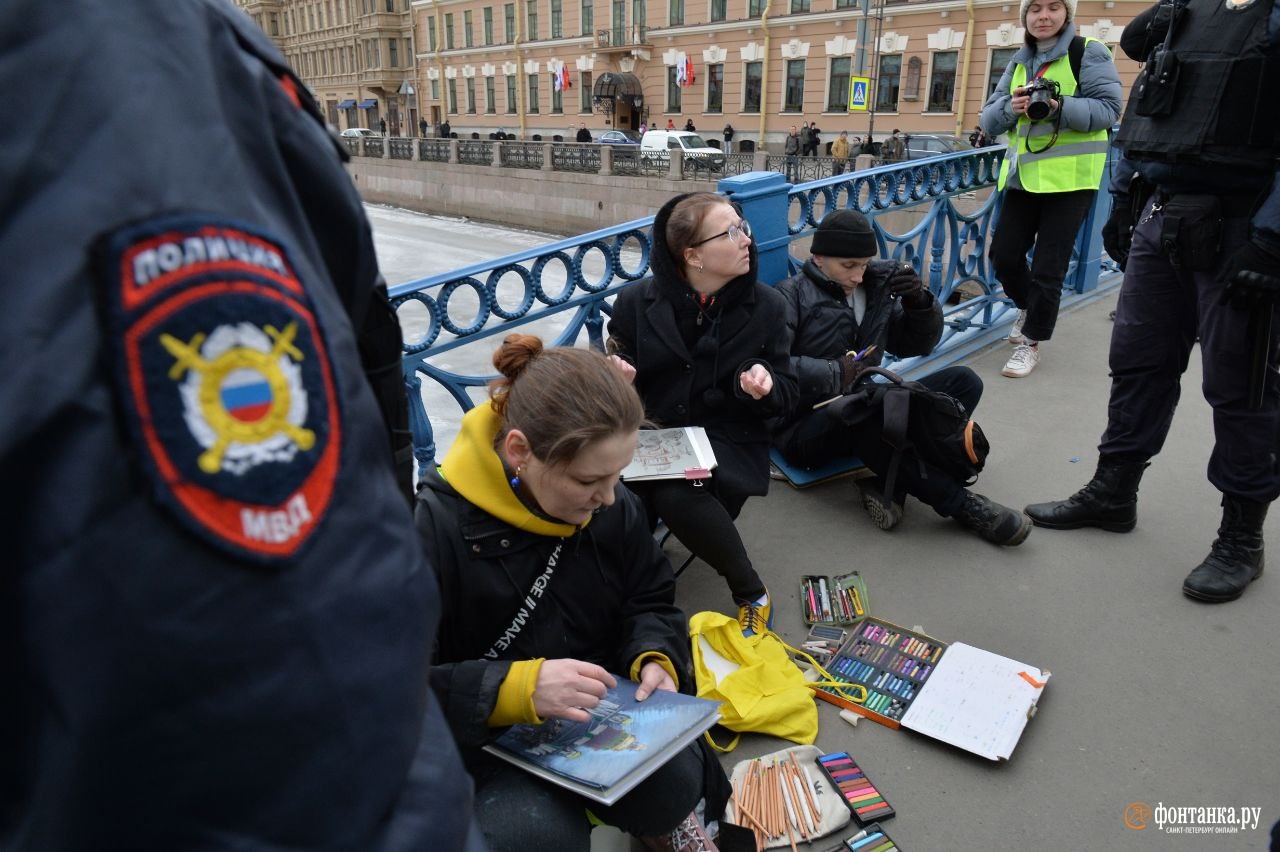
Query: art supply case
{"points": [[858, 792], [845, 600]]}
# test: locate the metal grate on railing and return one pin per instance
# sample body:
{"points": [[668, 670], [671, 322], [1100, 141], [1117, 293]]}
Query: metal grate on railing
{"points": [[476, 152], [522, 155], [433, 150], [401, 148]]}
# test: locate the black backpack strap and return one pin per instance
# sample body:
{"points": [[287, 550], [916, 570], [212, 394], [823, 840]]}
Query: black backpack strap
{"points": [[897, 407], [1075, 55]]}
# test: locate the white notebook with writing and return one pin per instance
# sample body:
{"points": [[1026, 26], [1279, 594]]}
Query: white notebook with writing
{"points": [[680, 453]]}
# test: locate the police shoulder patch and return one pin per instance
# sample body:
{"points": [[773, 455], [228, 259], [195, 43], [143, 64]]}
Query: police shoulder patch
{"points": [[224, 377]]}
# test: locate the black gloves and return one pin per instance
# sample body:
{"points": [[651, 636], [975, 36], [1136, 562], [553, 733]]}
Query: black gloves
{"points": [[850, 369], [1117, 234], [904, 283], [1252, 276]]}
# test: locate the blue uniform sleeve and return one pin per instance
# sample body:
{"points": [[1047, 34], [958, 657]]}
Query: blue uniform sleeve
{"points": [[1266, 222]]}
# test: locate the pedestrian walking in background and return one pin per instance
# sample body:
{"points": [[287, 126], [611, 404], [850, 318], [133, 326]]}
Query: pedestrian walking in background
{"points": [[728, 138], [382, 126], [840, 153], [813, 141], [688, 126], [791, 152]]}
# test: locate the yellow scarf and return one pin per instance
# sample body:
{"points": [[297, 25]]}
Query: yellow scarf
{"points": [[473, 468]]}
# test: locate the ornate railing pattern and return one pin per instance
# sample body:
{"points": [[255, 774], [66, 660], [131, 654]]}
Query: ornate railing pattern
{"points": [[475, 152], [575, 157], [401, 148], [522, 155], [434, 150], [564, 288]]}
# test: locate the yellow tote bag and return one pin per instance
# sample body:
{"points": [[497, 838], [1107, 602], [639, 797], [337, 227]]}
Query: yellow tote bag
{"points": [[760, 688]]}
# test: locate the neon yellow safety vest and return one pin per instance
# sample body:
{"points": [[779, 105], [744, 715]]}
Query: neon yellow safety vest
{"points": [[1075, 161]]}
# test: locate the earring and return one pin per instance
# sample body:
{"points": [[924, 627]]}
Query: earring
{"points": [[515, 480], [699, 266]]}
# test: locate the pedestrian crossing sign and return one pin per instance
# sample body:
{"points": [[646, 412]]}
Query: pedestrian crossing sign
{"points": [[858, 88]]}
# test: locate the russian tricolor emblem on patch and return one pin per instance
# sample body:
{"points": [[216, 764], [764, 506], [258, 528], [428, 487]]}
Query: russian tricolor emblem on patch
{"points": [[225, 380]]}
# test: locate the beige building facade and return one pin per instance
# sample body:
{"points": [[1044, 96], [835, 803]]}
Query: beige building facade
{"points": [[548, 66]]}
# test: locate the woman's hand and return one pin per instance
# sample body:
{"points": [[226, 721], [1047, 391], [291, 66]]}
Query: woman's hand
{"points": [[626, 369], [653, 676], [1018, 103], [756, 382], [565, 687]]}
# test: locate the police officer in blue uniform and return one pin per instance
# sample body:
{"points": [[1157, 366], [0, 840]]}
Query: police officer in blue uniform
{"points": [[1201, 134], [215, 615]]}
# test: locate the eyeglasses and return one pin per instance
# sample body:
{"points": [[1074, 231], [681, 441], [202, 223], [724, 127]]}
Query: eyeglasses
{"points": [[734, 233]]}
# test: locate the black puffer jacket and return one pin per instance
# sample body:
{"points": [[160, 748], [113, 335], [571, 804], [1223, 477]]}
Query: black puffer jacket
{"points": [[609, 599], [687, 374], [822, 327]]}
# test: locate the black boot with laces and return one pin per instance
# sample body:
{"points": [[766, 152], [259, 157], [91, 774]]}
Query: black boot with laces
{"points": [[1236, 558], [1109, 501], [993, 522]]}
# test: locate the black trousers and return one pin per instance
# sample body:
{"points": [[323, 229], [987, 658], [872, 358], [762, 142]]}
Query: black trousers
{"points": [[825, 435], [1050, 221], [1162, 311], [702, 519], [518, 811]]}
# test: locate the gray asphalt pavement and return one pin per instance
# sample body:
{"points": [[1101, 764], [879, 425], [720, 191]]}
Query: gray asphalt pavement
{"points": [[1154, 698]]}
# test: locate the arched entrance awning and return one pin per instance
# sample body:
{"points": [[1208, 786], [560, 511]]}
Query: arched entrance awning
{"points": [[613, 86]]}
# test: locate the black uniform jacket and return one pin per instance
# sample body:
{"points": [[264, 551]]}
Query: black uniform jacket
{"points": [[822, 327], [609, 598], [697, 385]]}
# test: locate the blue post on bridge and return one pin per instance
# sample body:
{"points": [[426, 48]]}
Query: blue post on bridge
{"points": [[764, 198]]}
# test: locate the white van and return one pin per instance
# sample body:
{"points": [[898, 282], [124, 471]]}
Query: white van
{"points": [[657, 145]]}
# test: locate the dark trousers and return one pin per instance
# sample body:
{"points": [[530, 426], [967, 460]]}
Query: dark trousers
{"points": [[793, 168], [838, 167], [1161, 312], [826, 434], [519, 811], [1050, 221], [702, 520]]}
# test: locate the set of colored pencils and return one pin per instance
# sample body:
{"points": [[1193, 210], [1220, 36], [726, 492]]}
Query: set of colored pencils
{"points": [[772, 797]]}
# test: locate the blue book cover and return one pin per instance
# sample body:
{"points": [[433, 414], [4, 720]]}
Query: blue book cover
{"points": [[622, 743]]}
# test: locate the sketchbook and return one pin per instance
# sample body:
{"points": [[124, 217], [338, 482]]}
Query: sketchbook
{"points": [[681, 453], [624, 742]]}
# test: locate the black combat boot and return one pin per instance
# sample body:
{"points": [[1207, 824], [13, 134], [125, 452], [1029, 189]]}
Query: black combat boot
{"points": [[993, 522], [1235, 560], [1109, 501]]}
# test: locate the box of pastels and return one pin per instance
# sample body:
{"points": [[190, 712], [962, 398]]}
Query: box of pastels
{"points": [[971, 698]]}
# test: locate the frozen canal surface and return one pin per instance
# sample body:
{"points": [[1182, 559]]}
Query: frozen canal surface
{"points": [[413, 245]]}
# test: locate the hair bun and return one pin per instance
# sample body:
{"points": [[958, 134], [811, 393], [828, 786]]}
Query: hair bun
{"points": [[515, 353]]}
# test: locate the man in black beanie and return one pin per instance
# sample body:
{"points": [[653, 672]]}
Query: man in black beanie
{"points": [[845, 310]]}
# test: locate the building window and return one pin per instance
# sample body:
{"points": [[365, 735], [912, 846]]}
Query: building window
{"points": [[490, 96], [557, 100], [275, 23], [887, 83], [673, 91], [448, 31], [531, 20], [638, 20], [942, 82], [393, 53], [798, 6], [557, 19], [911, 91], [838, 88], [584, 86], [435, 90], [755, 8], [793, 97], [751, 87], [431, 34], [619, 22], [588, 17], [1000, 59], [718, 10], [845, 4], [488, 25], [511, 93], [453, 96], [533, 93], [509, 22], [715, 88], [466, 29], [676, 12], [471, 95]]}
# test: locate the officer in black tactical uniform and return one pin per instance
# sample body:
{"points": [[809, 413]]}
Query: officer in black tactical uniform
{"points": [[1201, 132], [215, 615]]}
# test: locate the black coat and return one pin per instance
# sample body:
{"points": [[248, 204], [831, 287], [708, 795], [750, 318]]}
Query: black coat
{"points": [[697, 385], [610, 599], [821, 327]]}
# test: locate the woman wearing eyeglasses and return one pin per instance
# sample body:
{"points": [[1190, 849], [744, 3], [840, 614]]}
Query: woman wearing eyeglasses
{"points": [[709, 350]]}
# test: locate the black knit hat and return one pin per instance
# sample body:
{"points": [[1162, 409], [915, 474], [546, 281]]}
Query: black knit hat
{"points": [[845, 233]]}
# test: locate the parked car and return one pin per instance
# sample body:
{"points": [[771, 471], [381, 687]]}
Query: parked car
{"points": [[359, 131], [619, 137], [658, 144], [931, 145]]}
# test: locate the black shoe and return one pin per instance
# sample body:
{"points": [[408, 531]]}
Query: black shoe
{"points": [[993, 522], [884, 513], [1108, 501], [1236, 558]]}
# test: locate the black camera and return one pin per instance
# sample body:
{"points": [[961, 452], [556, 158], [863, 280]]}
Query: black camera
{"points": [[1041, 91]]}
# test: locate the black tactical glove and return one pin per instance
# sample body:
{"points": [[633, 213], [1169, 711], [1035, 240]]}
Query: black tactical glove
{"points": [[1252, 276], [850, 369], [905, 284], [1117, 234]]}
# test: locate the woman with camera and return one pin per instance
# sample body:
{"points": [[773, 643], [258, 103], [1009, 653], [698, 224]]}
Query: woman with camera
{"points": [[1057, 99]]}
